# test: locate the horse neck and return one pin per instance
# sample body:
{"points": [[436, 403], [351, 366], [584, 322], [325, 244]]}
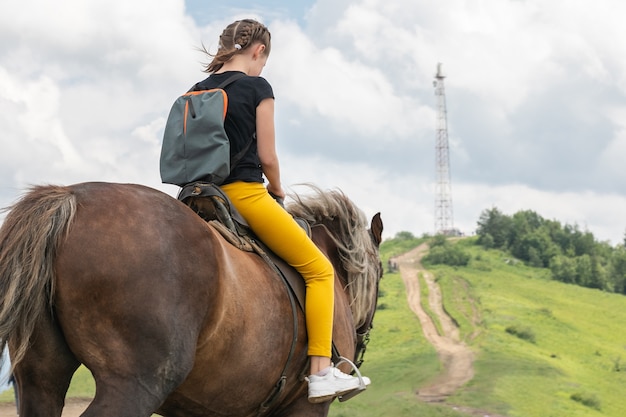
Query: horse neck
{"points": [[323, 239]]}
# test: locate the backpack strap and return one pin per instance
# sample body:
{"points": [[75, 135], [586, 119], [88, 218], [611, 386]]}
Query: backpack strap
{"points": [[228, 81], [237, 157], [232, 79]]}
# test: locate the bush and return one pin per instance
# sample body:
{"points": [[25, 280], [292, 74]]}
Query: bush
{"points": [[589, 400], [524, 333], [447, 255], [438, 241], [486, 241]]}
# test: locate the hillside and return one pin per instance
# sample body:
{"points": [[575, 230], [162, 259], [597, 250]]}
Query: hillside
{"points": [[543, 348]]}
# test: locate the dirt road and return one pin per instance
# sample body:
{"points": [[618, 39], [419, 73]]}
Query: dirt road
{"points": [[456, 357]]}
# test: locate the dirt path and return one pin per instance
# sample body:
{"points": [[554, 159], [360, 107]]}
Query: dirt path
{"points": [[456, 357], [73, 408]]}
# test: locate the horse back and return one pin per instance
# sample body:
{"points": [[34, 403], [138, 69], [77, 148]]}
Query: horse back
{"points": [[128, 274]]}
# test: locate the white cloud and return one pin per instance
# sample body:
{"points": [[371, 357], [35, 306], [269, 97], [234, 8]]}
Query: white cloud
{"points": [[612, 157], [353, 96], [79, 80]]}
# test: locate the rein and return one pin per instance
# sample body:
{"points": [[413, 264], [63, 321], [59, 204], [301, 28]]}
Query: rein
{"points": [[362, 340]]}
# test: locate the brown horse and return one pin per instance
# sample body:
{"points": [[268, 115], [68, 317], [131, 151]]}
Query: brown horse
{"points": [[168, 317]]}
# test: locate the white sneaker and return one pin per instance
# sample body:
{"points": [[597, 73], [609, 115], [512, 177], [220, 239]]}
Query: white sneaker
{"points": [[335, 383]]}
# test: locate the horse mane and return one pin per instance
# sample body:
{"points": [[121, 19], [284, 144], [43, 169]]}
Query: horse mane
{"points": [[349, 231]]}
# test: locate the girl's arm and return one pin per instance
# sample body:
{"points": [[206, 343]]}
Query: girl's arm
{"points": [[266, 142]]}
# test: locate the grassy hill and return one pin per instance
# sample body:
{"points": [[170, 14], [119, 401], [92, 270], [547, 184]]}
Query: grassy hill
{"points": [[544, 349]]}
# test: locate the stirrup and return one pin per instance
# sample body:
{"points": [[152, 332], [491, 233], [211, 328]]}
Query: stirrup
{"points": [[360, 388]]}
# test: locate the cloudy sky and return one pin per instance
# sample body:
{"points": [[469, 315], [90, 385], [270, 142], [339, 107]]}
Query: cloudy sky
{"points": [[536, 95]]}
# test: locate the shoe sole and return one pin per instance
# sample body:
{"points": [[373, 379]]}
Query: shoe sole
{"points": [[346, 396], [353, 391], [322, 399]]}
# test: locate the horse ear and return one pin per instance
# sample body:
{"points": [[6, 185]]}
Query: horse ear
{"points": [[376, 229]]}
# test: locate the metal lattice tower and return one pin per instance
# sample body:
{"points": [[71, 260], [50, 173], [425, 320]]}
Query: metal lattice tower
{"points": [[444, 223]]}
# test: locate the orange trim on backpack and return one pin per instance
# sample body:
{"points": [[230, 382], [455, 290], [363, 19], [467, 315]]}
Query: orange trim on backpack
{"points": [[185, 118], [195, 93], [225, 105]]}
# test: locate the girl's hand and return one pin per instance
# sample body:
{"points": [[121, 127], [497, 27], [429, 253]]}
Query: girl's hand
{"points": [[277, 193]]}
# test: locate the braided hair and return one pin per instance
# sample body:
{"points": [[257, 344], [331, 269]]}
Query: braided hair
{"points": [[238, 36]]}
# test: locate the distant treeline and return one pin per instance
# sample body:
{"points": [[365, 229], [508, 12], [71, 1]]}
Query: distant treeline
{"points": [[573, 256]]}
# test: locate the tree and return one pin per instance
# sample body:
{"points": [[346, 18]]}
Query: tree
{"points": [[492, 222], [563, 269], [582, 242], [573, 255], [617, 270], [599, 275], [583, 270], [404, 236], [536, 248], [534, 258], [487, 241]]}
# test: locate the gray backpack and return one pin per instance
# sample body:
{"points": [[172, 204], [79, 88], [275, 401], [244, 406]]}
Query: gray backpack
{"points": [[195, 145]]}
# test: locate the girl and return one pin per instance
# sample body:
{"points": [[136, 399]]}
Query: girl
{"points": [[244, 47]]}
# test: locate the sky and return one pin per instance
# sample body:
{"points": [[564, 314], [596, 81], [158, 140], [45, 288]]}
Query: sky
{"points": [[535, 92]]}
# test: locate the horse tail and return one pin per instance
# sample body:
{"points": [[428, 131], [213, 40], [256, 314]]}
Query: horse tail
{"points": [[29, 238]]}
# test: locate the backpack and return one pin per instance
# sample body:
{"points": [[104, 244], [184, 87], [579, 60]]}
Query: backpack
{"points": [[195, 145]]}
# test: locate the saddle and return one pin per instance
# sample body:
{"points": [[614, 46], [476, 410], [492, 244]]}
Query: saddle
{"points": [[213, 206]]}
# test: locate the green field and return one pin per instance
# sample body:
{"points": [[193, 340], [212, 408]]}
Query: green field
{"points": [[543, 348]]}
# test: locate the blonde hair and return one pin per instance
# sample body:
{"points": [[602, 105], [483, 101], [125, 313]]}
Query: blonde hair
{"points": [[238, 36]]}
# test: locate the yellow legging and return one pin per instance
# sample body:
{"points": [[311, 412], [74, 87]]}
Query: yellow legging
{"points": [[277, 229]]}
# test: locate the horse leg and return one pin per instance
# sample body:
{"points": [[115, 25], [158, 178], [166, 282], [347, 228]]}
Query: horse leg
{"points": [[135, 364], [128, 386], [44, 375], [121, 397]]}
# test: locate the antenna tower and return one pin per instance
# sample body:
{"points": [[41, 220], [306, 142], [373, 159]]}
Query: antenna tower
{"points": [[444, 223]]}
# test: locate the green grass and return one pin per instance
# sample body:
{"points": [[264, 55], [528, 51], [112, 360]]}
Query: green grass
{"points": [[461, 303], [573, 366], [424, 294], [82, 386]]}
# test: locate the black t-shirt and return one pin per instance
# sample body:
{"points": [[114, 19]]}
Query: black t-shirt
{"points": [[244, 95]]}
